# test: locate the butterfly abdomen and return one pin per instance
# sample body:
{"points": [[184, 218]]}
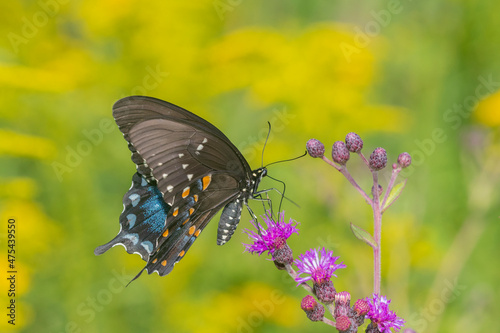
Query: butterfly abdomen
{"points": [[229, 220]]}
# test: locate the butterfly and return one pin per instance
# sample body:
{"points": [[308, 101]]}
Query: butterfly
{"points": [[187, 170]]}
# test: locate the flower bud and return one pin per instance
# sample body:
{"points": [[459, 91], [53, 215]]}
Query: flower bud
{"points": [[340, 154], [315, 148], [342, 323], [353, 142], [404, 160], [378, 159], [308, 303], [361, 307], [342, 304], [282, 253], [314, 310], [325, 291]]}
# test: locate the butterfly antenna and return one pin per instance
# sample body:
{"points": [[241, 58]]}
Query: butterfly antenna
{"points": [[282, 182], [265, 143], [290, 159]]}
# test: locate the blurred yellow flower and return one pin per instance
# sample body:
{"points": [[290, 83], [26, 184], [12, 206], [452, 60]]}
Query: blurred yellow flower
{"points": [[488, 110], [18, 188], [36, 231], [41, 78], [23, 145], [279, 69], [244, 309]]}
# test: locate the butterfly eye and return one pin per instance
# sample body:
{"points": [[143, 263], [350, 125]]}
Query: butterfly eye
{"points": [[264, 173]]}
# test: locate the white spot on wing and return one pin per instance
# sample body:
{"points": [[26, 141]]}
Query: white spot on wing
{"points": [[184, 166], [190, 176], [131, 218], [180, 155], [148, 246], [205, 140], [134, 238], [170, 188], [200, 147], [165, 175], [134, 198], [160, 164]]}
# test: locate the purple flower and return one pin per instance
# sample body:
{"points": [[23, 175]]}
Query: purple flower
{"points": [[272, 237], [320, 268], [381, 316]]}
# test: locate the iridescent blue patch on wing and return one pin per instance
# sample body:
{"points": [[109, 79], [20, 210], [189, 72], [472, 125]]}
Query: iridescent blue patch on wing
{"points": [[190, 202], [155, 210], [198, 184]]}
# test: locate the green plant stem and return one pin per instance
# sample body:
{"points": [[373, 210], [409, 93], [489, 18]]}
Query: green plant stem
{"points": [[294, 274], [377, 235], [394, 175], [343, 170]]}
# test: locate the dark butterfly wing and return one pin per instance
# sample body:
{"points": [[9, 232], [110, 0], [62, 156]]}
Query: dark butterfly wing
{"points": [[133, 110], [188, 163], [177, 152], [142, 221], [184, 228]]}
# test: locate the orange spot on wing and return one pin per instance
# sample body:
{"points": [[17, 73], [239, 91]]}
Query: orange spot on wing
{"points": [[185, 193], [155, 260], [164, 263], [197, 233], [165, 233], [191, 230], [191, 210], [176, 211], [206, 181], [195, 197], [181, 254], [185, 221]]}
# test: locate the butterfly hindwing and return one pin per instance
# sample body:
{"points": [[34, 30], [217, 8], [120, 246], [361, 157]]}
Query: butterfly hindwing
{"points": [[142, 221], [186, 221]]}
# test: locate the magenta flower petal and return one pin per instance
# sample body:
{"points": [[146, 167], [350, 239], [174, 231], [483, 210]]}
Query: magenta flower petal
{"points": [[319, 267], [272, 236], [381, 316]]}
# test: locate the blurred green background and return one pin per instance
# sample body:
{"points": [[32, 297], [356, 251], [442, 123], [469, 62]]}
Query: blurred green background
{"points": [[417, 76]]}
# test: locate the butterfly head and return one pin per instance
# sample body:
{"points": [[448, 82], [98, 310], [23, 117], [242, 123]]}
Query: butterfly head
{"points": [[260, 173], [257, 176]]}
